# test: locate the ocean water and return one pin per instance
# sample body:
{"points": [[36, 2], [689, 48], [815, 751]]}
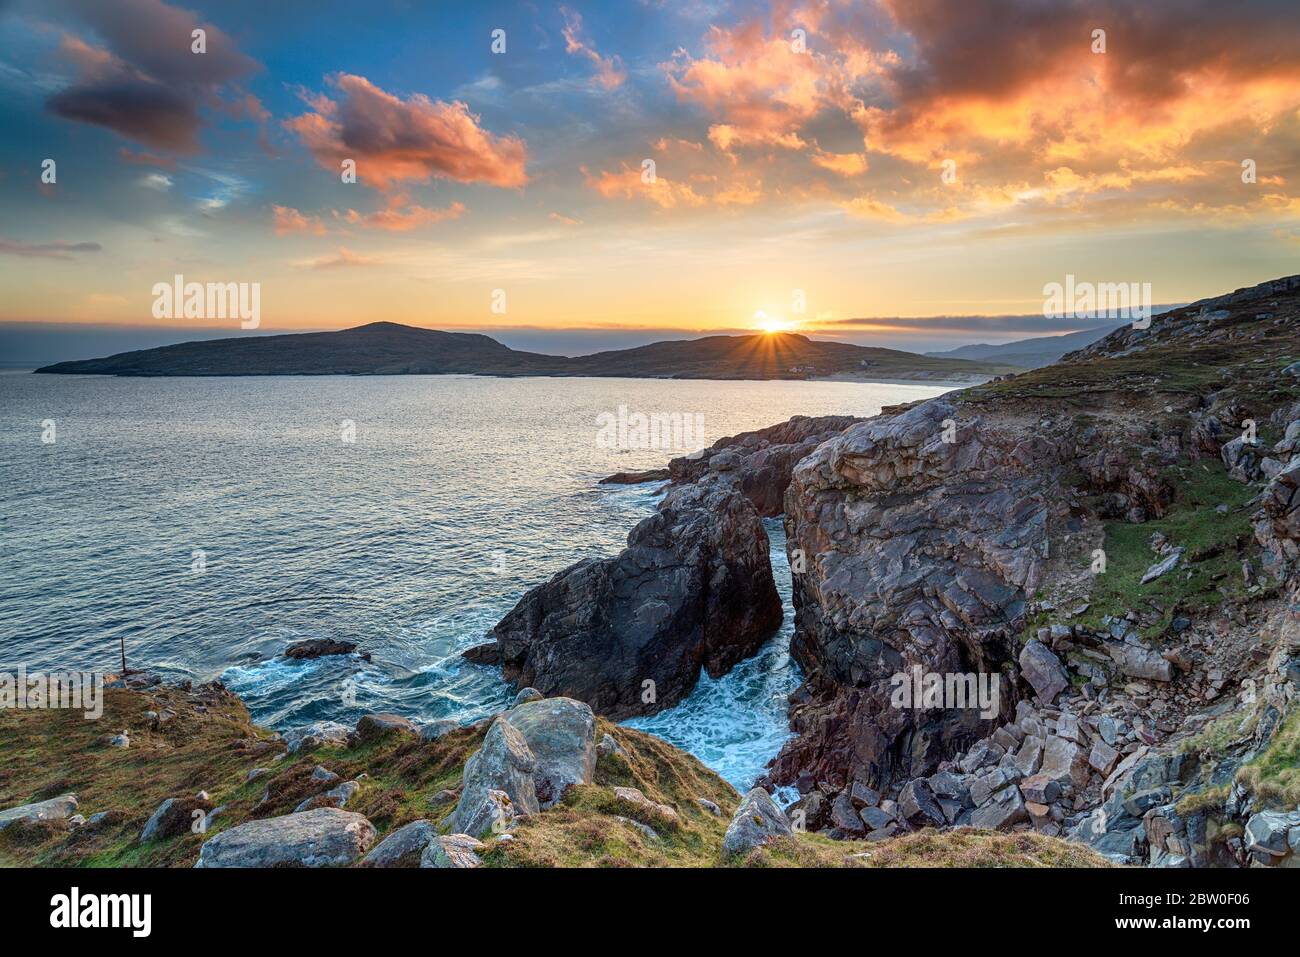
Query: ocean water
{"points": [[208, 523]]}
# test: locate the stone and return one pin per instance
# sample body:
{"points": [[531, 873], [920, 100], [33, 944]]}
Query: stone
{"points": [[1164, 566], [561, 734], [874, 818], [324, 776], [917, 805], [637, 799], [709, 806], [1065, 762], [504, 764], [315, 735], [1030, 756], [337, 796], [433, 730], [176, 816], [318, 648], [1137, 661], [608, 747], [1043, 670], [1003, 811], [373, 727], [758, 821], [1267, 832], [526, 695], [322, 838], [404, 847], [55, 809], [452, 850], [1103, 757], [844, 815], [1040, 789], [863, 796]]}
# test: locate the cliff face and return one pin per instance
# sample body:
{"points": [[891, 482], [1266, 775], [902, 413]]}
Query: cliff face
{"points": [[1106, 536], [919, 536]]}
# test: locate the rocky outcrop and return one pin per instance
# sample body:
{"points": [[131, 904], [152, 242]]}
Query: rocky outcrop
{"points": [[757, 821], [561, 735], [914, 539], [759, 464], [498, 783], [629, 635], [452, 850], [323, 838], [318, 648], [177, 816]]}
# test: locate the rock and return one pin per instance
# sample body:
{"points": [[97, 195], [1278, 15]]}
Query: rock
{"points": [[1137, 661], [55, 809], [176, 816], [318, 648], [757, 821], [1030, 756], [1043, 670], [1164, 566], [608, 747], [315, 735], [1040, 789], [337, 796], [629, 635], [323, 838], [844, 816], [404, 847], [443, 797], [433, 730], [917, 805], [1267, 833], [324, 776], [504, 765], [373, 727], [635, 478], [646, 830], [1065, 762], [488, 653], [863, 796], [923, 550], [526, 695], [561, 734], [709, 806], [875, 819], [122, 740], [1003, 811], [1103, 758], [635, 798], [452, 850]]}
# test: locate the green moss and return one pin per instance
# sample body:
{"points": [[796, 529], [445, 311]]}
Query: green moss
{"points": [[1274, 775]]}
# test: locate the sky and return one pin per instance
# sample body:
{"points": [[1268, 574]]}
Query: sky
{"points": [[849, 170]]}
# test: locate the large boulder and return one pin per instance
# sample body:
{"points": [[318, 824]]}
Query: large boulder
{"points": [[502, 768], [757, 821], [561, 734], [315, 735], [326, 837], [629, 635], [404, 847], [372, 727], [55, 809], [1043, 670], [318, 648], [452, 850], [177, 816]]}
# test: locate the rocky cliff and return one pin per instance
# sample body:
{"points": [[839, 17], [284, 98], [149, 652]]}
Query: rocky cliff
{"points": [[1112, 538]]}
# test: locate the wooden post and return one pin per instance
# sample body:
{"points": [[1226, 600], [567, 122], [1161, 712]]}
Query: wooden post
{"points": [[123, 639]]}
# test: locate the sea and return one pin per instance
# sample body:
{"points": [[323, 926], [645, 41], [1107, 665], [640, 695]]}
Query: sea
{"points": [[207, 523]]}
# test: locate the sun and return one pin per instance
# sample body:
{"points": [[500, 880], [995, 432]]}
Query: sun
{"points": [[769, 324]]}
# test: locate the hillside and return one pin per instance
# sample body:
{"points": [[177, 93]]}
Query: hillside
{"points": [[387, 348], [1033, 353]]}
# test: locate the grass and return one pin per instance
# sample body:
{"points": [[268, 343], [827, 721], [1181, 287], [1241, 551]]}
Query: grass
{"points": [[1216, 544], [1274, 774], [212, 743]]}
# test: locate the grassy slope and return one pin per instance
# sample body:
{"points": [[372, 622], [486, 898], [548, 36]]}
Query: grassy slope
{"points": [[46, 753]]}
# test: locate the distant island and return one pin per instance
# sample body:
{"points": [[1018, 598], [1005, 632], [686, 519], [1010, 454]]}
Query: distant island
{"points": [[389, 348]]}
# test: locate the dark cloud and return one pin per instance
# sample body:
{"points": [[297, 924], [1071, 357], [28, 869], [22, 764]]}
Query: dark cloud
{"points": [[144, 81], [54, 250]]}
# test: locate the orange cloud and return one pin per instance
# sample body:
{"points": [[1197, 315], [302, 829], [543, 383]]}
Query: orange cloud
{"points": [[609, 70], [394, 140], [289, 220], [401, 220]]}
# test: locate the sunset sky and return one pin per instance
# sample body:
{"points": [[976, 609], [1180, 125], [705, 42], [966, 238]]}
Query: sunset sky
{"points": [[776, 169]]}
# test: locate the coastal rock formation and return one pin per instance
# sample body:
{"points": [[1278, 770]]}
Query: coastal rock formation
{"points": [[757, 821], [914, 539], [322, 838], [404, 847], [55, 809], [561, 735], [629, 635], [498, 783]]}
